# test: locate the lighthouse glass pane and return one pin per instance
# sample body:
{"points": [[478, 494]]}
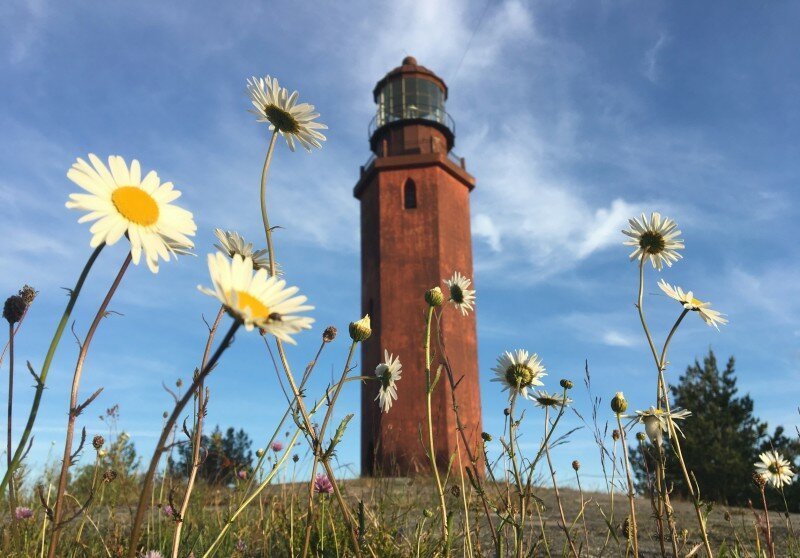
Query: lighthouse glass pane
{"points": [[410, 98]]}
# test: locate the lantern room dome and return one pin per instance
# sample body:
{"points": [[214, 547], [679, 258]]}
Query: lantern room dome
{"points": [[411, 94]]}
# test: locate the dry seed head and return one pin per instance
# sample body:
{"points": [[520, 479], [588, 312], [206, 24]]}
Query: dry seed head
{"points": [[759, 480], [329, 334], [615, 434], [455, 490], [14, 308], [576, 464], [109, 476], [98, 441]]}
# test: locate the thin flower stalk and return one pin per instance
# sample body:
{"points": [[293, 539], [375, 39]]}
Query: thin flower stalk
{"points": [[564, 525], [515, 469], [202, 401], [473, 457], [75, 408], [319, 452], [42, 377], [430, 384], [634, 536], [270, 476], [662, 397], [282, 353], [147, 484], [11, 495]]}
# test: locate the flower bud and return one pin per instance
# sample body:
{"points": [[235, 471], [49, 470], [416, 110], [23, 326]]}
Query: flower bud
{"points": [[14, 308], [576, 464], [486, 436], [619, 404], [295, 458], [260, 453], [434, 297], [427, 513], [329, 334], [179, 383], [615, 434], [641, 437], [566, 384], [98, 441], [360, 330]]}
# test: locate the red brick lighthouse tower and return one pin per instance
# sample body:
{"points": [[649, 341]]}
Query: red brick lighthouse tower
{"points": [[415, 231]]}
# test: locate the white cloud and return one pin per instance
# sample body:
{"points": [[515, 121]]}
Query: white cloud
{"points": [[651, 70], [616, 338]]}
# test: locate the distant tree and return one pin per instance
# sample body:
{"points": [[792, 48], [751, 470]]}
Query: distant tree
{"points": [[722, 437], [223, 456]]}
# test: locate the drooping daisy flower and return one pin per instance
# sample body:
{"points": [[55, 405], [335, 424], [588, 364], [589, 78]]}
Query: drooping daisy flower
{"points": [[123, 203], [519, 371], [688, 301], [388, 373], [323, 485], [255, 298], [655, 239], [461, 296], [656, 422], [294, 121], [774, 469], [544, 399], [232, 243]]}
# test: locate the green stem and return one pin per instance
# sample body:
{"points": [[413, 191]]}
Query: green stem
{"points": [[40, 384], [634, 530], [432, 447]]}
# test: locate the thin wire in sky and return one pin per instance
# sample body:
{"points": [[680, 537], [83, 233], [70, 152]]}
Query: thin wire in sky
{"points": [[469, 43]]}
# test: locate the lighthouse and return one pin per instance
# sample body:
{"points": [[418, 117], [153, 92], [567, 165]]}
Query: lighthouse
{"points": [[414, 195]]}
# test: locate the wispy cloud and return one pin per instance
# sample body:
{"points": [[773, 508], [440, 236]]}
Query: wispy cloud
{"points": [[651, 69]]}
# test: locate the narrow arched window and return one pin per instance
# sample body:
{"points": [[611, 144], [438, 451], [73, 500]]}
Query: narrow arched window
{"points": [[409, 194]]}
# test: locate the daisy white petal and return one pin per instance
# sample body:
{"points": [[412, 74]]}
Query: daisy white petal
{"points": [[388, 373], [461, 296], [689, 302], [255, 298], [656, 239], [293, 121], [775, 469], [120, 203], [518, 371]]}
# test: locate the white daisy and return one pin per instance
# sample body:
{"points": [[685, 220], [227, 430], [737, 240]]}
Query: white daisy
{"points": [[655, 422], [654, 239], [461, 296], [544, 399], [273, 104], [688, 301], [774, 469], [255, 298], [388, 373], [232, 243], [123, 203], [519, 371]]}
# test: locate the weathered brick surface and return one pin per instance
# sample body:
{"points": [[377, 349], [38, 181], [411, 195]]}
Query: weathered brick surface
{"points": [[405, 252]]}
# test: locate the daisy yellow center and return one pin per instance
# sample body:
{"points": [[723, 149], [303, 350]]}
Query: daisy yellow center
{"points": [[281, 119], [652, 242], [136, 205], [774, 468], [519, 375], [246, 301], [547, 401], [696, 303], [456, 294]]}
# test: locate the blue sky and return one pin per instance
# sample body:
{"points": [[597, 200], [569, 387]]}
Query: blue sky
{"points": [[572, 116]]}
